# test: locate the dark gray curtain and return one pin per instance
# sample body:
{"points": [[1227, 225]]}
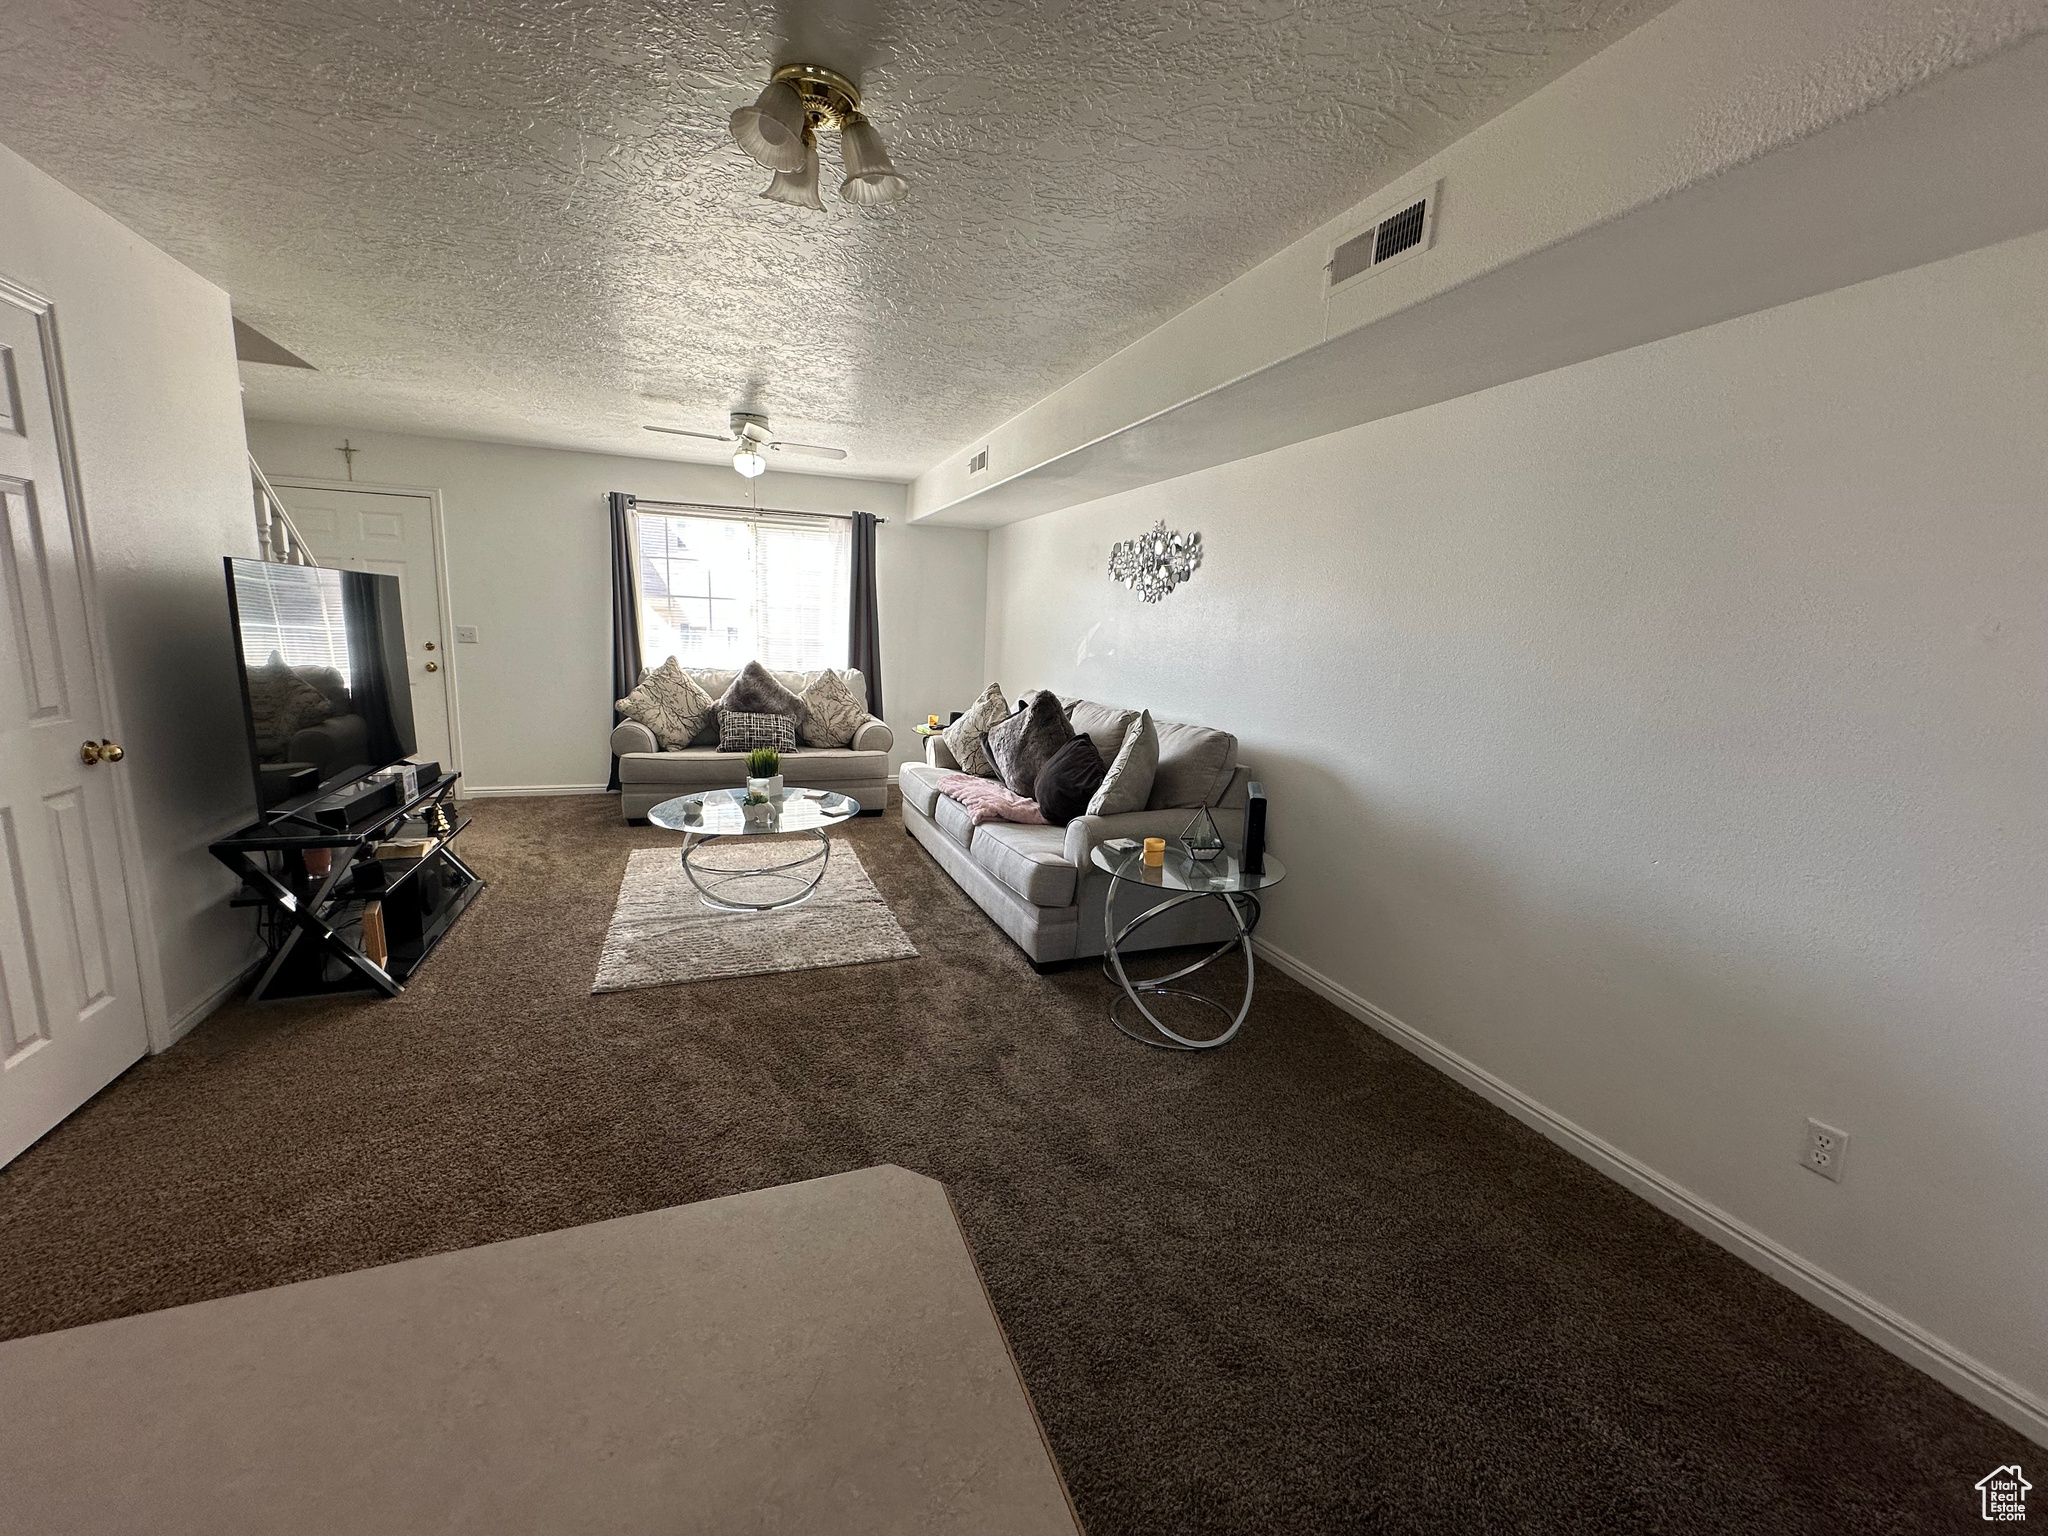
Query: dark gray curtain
{"points": [[625, 605], [864, 637]]}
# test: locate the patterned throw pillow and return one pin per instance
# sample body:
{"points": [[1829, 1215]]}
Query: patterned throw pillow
{"points": [[739, 731], [755, 692], [964, 737], [1021, 743], [670, 704], [1128, 784], [827, 713]]}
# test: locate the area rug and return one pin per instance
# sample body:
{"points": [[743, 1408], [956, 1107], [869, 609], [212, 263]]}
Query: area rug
{"points": [[662, 933]]}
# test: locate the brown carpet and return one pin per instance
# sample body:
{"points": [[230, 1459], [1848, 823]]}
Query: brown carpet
{"points": [[1304, 1284]]}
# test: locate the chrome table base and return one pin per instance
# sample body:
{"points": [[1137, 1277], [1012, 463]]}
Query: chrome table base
{"points": [[1244, 911], [805, 873]]}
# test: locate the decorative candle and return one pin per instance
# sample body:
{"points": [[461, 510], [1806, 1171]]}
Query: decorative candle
{"points": [[1155, 851]]}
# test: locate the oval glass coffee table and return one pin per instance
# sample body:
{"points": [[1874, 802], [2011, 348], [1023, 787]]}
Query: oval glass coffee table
{"points": [[716, 813], [1182, 879]]}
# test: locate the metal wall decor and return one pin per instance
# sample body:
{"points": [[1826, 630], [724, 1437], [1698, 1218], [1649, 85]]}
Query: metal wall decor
{"points": [[1153, 564]]}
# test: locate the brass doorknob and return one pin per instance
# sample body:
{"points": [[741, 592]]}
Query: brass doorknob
{"points": [[101, 751], [433, 666]]}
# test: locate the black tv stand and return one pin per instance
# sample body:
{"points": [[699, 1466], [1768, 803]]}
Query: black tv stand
{"points": [[313, 917]]}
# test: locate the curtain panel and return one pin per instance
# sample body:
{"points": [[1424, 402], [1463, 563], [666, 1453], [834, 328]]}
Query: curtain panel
{"points": [[864, 629], [625, 607]]}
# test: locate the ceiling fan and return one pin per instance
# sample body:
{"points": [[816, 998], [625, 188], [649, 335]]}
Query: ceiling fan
{"points": [[749, 436]]}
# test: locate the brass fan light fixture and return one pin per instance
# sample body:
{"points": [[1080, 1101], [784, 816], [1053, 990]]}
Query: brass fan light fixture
{"points": [[780, 132]]}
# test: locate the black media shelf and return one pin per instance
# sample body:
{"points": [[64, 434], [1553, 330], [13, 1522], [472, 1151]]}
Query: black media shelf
{"points": [[316, 912]]}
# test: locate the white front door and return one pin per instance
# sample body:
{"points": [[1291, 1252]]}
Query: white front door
{"points": [[391, 532], [70, 988]]}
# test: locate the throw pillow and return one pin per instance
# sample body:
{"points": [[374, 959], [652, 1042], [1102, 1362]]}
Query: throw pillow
{"points": [[1022, 741], [1068, 781], [964, 738], [670, 704], [756, 692], [1128, 784], [739, 731], [827, 713]]}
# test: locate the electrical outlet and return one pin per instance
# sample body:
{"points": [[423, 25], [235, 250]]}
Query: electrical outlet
{"points": [[1826, 1148], [465, 634]]}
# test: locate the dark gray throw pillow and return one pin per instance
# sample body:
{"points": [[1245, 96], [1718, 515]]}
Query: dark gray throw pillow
{"points": [[1020, 743], [1068, 780], [756, 692]]}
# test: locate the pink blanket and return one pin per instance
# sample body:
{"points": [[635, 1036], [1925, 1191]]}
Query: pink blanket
{"points": [[988, 800]]}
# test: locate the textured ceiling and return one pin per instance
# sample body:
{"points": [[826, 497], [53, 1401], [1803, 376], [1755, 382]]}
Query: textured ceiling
{"points": [[525, 221]]}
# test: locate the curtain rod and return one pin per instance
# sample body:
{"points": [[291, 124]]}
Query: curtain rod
{"points": [[723, 506]]}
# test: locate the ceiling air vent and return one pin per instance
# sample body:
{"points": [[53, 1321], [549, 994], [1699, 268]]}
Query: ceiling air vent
{"points": [[1404, 231]]}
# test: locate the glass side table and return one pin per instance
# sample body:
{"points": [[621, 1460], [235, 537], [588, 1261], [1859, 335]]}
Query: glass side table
{"points": [[1180, 880], [716, 813]]}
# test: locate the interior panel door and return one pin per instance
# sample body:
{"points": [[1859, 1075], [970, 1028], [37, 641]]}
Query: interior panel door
{"points": [[70, 981]]}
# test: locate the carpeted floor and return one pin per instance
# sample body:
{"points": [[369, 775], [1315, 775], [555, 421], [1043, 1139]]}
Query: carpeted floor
{"points": [[1304, 1284]]}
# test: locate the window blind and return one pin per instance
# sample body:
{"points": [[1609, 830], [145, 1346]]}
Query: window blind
{"points": [[721, 587]]}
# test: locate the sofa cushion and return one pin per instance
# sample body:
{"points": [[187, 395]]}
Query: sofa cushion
{"points": [[709, 768], [670, 703], [827, 713], [1196, 765], [1129, 780], [953, 819], [754, 692], [1022, 741], [1032, 861], [742, 731], [1103, 724], [964, 737], [1068, 781], [919, 785]]}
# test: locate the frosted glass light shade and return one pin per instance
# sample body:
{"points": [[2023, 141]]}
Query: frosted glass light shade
{"points": [[798, 188], [870, 178], [773, 129], [748, 462]]}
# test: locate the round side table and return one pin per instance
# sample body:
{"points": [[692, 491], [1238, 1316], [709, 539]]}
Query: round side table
{"points": [[1181, 879]]}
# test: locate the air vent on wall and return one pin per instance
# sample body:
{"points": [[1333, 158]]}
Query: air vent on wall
{"points": [[1405, 231], [978, 465]]}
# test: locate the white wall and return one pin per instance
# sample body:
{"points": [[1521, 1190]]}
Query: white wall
{"points": [[1665, 735], [157, 416], [529, 559]]}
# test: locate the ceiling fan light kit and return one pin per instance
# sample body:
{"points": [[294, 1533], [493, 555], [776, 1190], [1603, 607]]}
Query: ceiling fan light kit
{"points": [[751, 442], [779, 131]]}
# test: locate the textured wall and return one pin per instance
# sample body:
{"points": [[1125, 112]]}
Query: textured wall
{"points": [[1664, 734], [149, 359], [529, 565], [509, 220]]}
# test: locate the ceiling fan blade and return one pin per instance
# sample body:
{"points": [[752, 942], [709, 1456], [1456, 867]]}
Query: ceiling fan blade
{"points": [[810, 450], [709, 437]]}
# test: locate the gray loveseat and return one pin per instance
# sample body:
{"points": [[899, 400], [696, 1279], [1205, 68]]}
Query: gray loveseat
{"points": [[1040, 884], [648, 775]]}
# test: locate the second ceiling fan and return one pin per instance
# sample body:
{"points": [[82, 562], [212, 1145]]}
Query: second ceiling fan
{"points": [[752, 441]]}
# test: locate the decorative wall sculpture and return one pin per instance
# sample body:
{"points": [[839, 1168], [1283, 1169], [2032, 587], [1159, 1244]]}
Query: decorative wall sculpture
{"points": [[1153, 564]]}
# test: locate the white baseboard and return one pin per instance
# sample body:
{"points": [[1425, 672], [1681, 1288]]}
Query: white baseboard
{"points": [[487, 791], [1997, 1395], [200, 1011]]}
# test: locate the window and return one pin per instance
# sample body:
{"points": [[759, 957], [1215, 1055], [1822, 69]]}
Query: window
{"points": [[721, 588]]}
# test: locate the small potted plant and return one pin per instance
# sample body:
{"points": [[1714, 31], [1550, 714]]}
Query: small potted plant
{"points": [[757, 810], [764, 773]]}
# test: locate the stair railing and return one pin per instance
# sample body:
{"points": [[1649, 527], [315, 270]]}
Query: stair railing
{"points": [[275, 531]]}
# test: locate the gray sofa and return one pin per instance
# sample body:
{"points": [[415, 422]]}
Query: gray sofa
{"points": [[648, 775], [1039, 884]]}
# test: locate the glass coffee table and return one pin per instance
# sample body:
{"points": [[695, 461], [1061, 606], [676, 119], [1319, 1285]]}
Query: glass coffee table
{"points": [[716, 813], [1181, 879]]}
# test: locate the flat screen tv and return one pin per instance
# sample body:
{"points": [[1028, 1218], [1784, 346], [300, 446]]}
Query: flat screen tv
{"points": [[325, 688]]}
